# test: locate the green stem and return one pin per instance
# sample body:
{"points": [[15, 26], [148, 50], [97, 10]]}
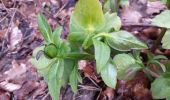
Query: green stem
{"points": [[152, 73]]}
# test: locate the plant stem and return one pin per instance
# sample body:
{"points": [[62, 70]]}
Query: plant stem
{"points": [[152, 73], [158, 41]]}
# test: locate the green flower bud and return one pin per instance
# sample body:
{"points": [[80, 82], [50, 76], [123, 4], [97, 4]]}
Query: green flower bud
{"points": [[50, 51]]}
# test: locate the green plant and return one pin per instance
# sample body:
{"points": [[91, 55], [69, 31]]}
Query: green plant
{"points": [[162, 20], [160, 86], [100, 31], [92, 35], [55, 61]]}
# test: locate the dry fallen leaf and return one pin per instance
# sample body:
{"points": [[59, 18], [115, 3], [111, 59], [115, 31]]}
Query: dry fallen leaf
{"points": [[88, 70], [16, 71], [129, 15], [109, 92], [10, 87], [155, 7], [141, 93], [15, 37]]}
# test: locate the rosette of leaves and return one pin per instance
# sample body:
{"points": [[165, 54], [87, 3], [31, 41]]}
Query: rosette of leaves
{"points": [[94, 31], [56, 61]]}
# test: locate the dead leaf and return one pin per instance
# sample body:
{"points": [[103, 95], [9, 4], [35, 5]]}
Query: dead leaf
{"points": [[16, 71], [155, 7], [109, 92], [141, 93], [27, 88], [10, 87], [88, 69], [15, 37], [129, 15]]}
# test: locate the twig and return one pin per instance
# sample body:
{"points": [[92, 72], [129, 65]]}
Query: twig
{"points": [[94, 82], [4, 6], [44, 98], [138, 24], [56, 15], [89, 88], [9, 28], [4, 17], [99, 95]]}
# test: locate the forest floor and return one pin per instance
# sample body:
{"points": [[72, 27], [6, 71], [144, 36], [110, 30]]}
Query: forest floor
{"points": [[19, 36]]}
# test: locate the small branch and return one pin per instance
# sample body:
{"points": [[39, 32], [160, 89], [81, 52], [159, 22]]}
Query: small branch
{"points": [[138, 24]]}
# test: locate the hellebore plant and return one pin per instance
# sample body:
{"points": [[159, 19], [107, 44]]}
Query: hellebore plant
{"points": [[93, 36]]}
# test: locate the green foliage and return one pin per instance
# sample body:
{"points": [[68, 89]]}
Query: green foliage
{"points": [[102, 54], [124, 41], [89, 15], [162, 19], [155, 59], [50, 50], [91, 35], [74, 78], [109, 74], [160, 88], [56, 36], [111, 21], [45, 28], [166, 40], [126, 66], [54, 63], [55, 79]]}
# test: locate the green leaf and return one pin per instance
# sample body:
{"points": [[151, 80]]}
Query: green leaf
{"points": [[68, 67], [55, 79], [159, 57], [88, 41], [109, 75], [106, 6], [111, 21], [167, 65], [131, 71], [165, 40], [74, 77], [102, 54], [43, 65], [124, 41], [56, 36], [77, 32], [168, 98], [124, 63], [160, 88], [89, 14], [124, 2], [45, 28], [63, 49], [162, 19]]}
